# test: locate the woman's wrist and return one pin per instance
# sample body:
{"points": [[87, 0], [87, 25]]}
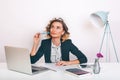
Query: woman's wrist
{"points": [[73, 62], [69, 62], [34, 48]]}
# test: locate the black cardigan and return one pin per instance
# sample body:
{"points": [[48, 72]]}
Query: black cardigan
{"points": [[66, 47]]}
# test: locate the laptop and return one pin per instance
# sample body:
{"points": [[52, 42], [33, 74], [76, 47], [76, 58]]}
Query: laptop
{"points": [[18, 59]]}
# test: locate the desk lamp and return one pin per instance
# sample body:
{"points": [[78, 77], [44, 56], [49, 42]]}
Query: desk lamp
{"points": [[100, 19]]}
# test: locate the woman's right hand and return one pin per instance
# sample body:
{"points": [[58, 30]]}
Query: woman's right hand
{"points": [[35, 45], [36, 38]]}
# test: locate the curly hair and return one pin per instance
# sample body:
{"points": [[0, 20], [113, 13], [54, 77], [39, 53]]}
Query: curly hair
{"points": [[66, 34]]}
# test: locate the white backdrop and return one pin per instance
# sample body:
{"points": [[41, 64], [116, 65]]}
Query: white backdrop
{"points": [[21, 19]]}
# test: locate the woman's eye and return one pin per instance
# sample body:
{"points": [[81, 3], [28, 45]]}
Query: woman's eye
{"points": [[52, 26], [58, 27]]}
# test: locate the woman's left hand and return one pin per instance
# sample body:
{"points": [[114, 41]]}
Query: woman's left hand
{"points": [[63, 63]]}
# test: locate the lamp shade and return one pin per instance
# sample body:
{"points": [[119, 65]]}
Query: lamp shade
{"points": [[99, 19]]}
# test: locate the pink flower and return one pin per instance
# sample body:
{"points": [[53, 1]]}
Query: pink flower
{"points": [[99, 55]]}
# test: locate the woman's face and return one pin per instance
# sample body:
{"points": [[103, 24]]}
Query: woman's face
{"points": [[56, 30]]}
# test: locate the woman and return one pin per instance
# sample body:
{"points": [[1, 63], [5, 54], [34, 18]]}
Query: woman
{"points": [[57, 47]]}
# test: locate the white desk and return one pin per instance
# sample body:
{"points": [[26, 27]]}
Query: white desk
{"points": [[109, 71]]}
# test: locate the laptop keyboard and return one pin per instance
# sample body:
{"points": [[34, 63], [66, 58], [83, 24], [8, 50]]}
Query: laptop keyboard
{"points": [[33, 70], [40, 69]]}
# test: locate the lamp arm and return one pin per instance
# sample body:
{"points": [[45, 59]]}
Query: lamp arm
{"points": [[113, 43], [103, 39], [107, 29]]}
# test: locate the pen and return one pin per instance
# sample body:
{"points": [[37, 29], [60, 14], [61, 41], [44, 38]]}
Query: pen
{"points": [[53, 70], [45, 33]]}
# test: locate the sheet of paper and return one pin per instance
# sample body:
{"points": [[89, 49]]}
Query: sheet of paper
{"points": [[53, 66]]}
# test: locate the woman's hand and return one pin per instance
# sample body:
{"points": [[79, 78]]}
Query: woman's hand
{"points": [[35, 45], [36, 38], [63, 63]]}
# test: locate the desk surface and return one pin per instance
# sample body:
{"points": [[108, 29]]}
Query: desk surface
{"points": [[109, 71]]}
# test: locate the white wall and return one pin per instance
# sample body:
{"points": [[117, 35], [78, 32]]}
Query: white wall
{"points": [[21, 19]]}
